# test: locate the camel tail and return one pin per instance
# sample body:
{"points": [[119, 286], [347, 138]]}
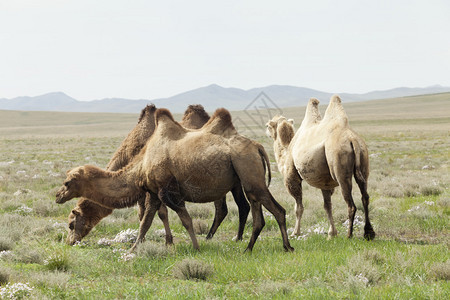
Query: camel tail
{"points": [[357, 172], [266, 162]]}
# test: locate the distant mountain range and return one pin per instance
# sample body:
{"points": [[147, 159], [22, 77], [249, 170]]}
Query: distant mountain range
{"points": [[211, 97]]}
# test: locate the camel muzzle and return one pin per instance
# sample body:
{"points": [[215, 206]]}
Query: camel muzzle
{"points": [[60, 195]]}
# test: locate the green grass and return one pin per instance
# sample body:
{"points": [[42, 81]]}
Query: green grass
{"points": [[410, 208]]}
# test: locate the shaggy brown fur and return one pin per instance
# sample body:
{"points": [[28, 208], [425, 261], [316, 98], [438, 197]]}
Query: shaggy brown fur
{"points": [[326, 153], [198, 167], [194, 117]]}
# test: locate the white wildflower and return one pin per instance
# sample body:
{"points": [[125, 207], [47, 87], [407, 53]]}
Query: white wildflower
{"points": [[5, 163], [36, 176], [428, 167], [24, 209], [104, 242], [5, 254], [21, 191], [15, 291], [267, 214], [125, 256], [357, 221], [126, 236], [59, 225], [21, 172], [362, 278], [160, 232], [46, 162], [414, 208], [429, 203], [53, 174]]}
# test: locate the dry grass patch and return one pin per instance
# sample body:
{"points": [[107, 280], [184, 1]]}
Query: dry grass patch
{"points": [[192, 269]]}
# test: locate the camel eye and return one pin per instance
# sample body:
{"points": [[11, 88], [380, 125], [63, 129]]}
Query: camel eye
{"points": [[71, 226]]}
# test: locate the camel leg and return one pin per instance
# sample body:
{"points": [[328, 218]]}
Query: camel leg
{"points": [[328, 208], [151, 206], [171, 197], [141, 205], [258, 221], [280, 215], [243, 209], [369, 233], [293, 183], [164, 216], [220, 214], [346, 188]]}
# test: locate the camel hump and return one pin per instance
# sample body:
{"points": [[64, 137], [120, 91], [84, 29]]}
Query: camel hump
{"points": [[312, 113], [335, 111], [163, 114], [335, 99], [195, 108], [314, 101], [147, 110], [220, 122], [194, 117], [167, 124]]}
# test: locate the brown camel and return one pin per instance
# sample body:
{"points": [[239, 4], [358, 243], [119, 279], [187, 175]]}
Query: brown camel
{"points": [[326, 153], [179, 165], [87, 214]]}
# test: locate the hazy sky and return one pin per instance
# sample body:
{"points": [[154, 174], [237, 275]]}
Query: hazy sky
{"points": [[149, 49]]}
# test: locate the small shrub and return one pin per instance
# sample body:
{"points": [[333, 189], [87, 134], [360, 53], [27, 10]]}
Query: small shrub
{"points": [[441, 270], [430, 191], [199, 211], [200, 226], [57, 261], [274, 288], [5, 243], [151, 249], [4, 276], [51, 279], [192, 269], [28, 256]]}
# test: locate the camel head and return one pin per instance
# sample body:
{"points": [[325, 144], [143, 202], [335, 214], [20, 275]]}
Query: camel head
{"points": [[83, 217], [79, 225], [280, 128], [71, 187]]}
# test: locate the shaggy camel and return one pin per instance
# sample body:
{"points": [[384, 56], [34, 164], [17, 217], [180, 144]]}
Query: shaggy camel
{"points": [[87, 214], [326, 153], [179, 165]]}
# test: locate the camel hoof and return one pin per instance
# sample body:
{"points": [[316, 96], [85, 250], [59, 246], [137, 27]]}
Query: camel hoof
{"points": [[288, 249], [370, 235], [169, 241]]}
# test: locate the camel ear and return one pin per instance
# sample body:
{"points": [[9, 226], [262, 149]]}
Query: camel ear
{"points": [[75, 212], [291, 121]]}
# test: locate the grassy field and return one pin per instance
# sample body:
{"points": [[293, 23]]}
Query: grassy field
{"points": [[408, 140]]}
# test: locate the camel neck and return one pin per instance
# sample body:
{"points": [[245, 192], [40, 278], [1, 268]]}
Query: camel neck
{"points": [[114, 189]]}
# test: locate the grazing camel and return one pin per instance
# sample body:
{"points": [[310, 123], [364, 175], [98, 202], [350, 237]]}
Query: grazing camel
{"points": [[326, 153], [87, 214], [179, 165]]}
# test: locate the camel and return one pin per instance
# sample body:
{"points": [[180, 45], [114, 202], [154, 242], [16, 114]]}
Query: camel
{"points": [[178, 165], [87, 214], [325, 153]]}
